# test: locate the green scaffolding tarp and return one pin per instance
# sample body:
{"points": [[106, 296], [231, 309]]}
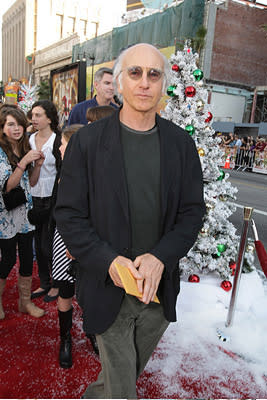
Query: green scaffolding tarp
{"points": [[160, 29], [99, 48]]}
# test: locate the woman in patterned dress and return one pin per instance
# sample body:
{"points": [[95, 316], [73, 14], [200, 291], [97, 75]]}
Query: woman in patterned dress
{"points": [[16, 158]]}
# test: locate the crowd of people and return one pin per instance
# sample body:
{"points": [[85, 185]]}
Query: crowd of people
{"points": [[243, 143], [114, 188], [243, 150], [31, 151]]}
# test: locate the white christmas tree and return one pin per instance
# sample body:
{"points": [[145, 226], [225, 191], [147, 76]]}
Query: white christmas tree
{"points": [[28, 94], [217, 243]]}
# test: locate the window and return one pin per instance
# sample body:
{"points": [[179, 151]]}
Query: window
{"points": [[71, 25], [59, 25], [83, 27]]}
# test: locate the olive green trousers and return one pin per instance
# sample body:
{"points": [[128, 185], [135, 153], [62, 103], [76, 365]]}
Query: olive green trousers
{"points": [[125, 348]]}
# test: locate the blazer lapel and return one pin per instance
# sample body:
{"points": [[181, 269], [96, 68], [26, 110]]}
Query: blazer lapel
{"points": [[114, 162], [167, 166]]}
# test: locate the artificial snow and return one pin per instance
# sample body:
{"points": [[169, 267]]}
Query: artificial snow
{"points": [[190, 361], [202, 309]]}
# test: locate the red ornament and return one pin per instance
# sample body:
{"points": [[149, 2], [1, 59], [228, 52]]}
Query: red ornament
{"points": [[175, 67], [190, 91], [209, 117], [188, 50], [233, 267], [193, 278], [226, 285]]}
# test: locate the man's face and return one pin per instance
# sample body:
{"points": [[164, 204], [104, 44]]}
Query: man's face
{"points": [[104, 88], [141, 79]]}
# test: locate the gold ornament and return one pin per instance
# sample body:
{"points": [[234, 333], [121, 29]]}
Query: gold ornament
{"points": [[201, 152], [209, 206], [250, 248], [204, 231], [207, 129], [200, 105]]}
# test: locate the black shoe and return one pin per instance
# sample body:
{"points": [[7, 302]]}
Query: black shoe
{"points": [[39, 294], [94, 344], [65, 353], [48, 298]]}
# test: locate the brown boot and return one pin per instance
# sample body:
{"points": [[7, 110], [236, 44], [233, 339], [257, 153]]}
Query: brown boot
{"points": [[2, 286], [25, 304]]}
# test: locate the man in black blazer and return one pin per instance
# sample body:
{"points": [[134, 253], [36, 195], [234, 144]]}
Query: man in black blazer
{"points": [[131, 192]]}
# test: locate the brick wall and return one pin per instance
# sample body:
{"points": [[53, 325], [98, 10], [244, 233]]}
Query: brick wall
{"points": [[240, 46]]}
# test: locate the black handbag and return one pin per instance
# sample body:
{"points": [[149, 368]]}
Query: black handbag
{"points": [[16, 197]]}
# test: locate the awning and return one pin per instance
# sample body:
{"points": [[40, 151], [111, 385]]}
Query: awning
{"points": [[262, 128], [224, 127]]}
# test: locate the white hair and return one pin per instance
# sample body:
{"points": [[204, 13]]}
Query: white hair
{"points": [[117, 69]]}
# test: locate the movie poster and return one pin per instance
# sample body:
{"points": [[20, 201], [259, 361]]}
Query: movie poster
{"points": [[260, 163], [65, 92]]}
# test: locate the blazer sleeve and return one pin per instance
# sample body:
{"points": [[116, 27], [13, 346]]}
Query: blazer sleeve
{"points": [[72, 213], [178, 240]]}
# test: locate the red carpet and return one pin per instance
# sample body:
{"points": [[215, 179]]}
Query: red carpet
{"points": [[29, 366]]}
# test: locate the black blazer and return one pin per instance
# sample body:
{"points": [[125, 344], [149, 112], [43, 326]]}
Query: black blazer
{"points": [[92, 213]]}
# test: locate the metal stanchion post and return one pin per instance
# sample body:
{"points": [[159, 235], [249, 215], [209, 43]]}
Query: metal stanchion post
{"points": [[242, 246]]}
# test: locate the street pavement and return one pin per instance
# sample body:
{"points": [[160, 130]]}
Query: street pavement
{"points": [[252, 192]]}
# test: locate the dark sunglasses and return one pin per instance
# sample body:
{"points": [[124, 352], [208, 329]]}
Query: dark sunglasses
{"points": [[136, 73]]}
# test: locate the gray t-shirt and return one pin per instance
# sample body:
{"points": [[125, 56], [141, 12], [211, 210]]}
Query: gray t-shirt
{"points": [[141, 151]]}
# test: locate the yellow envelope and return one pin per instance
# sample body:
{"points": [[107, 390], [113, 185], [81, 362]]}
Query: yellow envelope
{"points": [[129, 282]]}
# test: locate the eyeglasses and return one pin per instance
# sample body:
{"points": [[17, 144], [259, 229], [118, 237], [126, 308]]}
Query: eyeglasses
{"points": [[135, 73]]}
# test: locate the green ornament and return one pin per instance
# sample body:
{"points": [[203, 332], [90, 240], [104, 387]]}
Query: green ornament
{"points": [[198, 74], [221, 248], [170, 90], [222, 175], [190, 129]]}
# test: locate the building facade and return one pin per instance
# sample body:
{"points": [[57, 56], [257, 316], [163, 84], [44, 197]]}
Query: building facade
{"points": [[52, 57], [235, 59], [134, 5], [14, 42], [30, 26], [38, 35]]}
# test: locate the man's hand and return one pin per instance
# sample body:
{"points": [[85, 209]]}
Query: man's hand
{"points": [[127, 263], [151, 269]]}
